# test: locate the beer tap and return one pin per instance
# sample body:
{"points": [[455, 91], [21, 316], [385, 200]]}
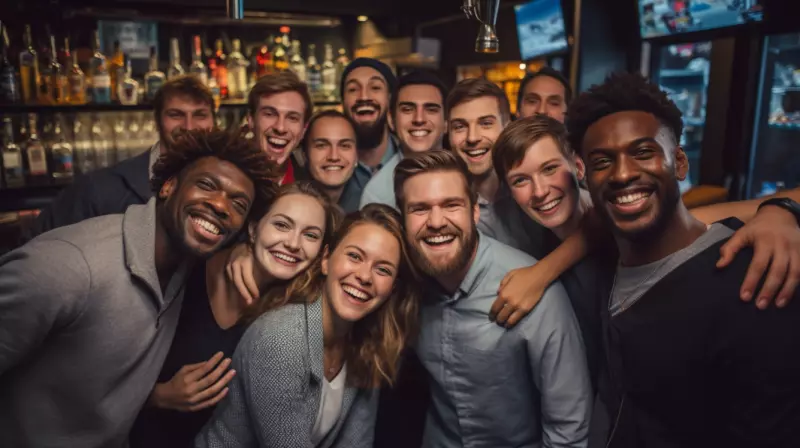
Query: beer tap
{"points": [[485, 12]]}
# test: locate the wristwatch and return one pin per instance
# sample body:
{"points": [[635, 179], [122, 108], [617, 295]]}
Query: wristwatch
{"points": [[786, 204]]}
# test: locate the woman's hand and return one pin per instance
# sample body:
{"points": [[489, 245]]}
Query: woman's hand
{"points": [[195, 386]]}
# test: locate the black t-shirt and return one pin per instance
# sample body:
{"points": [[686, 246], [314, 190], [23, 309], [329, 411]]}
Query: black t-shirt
{"points": [[197, 339]]}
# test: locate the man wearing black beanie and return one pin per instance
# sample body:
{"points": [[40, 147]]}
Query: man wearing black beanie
{"points": [[367, 85]]}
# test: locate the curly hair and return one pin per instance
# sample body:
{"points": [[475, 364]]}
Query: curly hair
{"points": [[375, 342], [620, 92], [232, 147], [280, 293]]}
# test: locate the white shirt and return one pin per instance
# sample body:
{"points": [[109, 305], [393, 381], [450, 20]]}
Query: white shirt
{"points": [[330, 406]]}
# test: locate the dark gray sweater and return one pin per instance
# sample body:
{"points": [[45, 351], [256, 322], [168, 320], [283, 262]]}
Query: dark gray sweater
{"points": [[84, 329]]}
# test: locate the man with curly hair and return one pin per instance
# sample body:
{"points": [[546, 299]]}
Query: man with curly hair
{"points": [[689, 365], [88, 311]]}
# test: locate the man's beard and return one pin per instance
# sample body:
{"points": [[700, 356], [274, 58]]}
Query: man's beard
{"points": [[370, 135], [460, 261]]}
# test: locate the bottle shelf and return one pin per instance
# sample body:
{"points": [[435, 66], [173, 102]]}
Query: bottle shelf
{"points": [[89, 108], [789, 125]]}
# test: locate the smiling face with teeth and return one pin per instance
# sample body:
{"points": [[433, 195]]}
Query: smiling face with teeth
{"points": [[474, 127], [279, 123], [545, 185], [331, 152], [289, 237], [633, 165], [206, 205], [440, 222], [360, 272], [418, 118], [366, 101]]}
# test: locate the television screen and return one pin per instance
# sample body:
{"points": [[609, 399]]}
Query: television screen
{"points": [[540, 28], [663, 17]]}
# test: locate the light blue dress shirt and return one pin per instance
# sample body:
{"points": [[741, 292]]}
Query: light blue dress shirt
{"points": [[491, 387], [380, 189]]}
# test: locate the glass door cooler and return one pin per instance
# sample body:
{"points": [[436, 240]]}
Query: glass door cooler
{"points": [[775, 155]]}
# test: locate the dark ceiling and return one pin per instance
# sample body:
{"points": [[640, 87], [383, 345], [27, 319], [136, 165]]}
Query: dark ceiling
{"points": [[421, 9]]}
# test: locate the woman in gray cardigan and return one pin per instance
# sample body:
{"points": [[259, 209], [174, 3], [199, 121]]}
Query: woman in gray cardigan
{"points": [[309, 370]]}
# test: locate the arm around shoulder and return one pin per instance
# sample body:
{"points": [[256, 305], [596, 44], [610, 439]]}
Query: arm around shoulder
{"points": [[559, 369], [43, 285]]}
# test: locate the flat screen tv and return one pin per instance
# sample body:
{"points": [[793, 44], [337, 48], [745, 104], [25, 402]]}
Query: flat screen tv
{"points": [[665, 17], [540, 28]]}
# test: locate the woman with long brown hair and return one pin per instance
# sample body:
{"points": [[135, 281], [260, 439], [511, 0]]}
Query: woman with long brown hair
{"points": [[283, 242], [310, 368]]}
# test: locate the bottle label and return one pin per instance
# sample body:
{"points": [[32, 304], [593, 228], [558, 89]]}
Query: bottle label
{"points": [[101, 81], [37, 163], [152, 85], [63, 161], [76, 86], [12, 161]]}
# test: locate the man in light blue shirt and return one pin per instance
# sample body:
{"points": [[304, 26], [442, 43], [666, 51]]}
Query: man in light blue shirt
{"points": [[490, 387], [416, 115]]}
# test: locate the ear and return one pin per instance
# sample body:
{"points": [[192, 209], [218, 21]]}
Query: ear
{"points": [[168, 187], [390, 122], [476, 213], [580, 168], [681, 164], [325, 259], [251, 232]]}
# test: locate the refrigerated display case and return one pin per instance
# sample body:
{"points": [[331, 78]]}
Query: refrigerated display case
{"points": [[682, 72], [775, 154]]}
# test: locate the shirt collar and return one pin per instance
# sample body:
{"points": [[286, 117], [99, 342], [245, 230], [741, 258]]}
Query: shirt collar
{"points": [[475, 273], [391, 150]]}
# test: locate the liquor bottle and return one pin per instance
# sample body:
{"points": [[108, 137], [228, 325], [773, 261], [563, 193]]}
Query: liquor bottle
{"points": [[61, 154], [285, 41], [128, 88], [77, 82], [237, 72], [9, 87], [64, 55], [175, 67], [264, 61], [281, 53], [313, 72], [101, 144], [84, 156], [35, 155], [153, 79], [342, 61], [296, 62], [99, 78], [219, 70], [198, 68], [328, 74], [29, 69], [12, 158], [116, 68], [56, 78]]}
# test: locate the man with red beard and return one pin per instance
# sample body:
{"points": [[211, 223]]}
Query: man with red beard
{"points": [[490, 386], [367, 85], [280, 108], [416, 115]]}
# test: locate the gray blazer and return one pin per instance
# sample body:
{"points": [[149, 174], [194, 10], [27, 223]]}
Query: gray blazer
{"points": [[274, 397]]}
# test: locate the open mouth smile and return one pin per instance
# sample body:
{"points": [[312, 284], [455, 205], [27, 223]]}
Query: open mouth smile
{"points": [[630, 201], [419, 133], [356, 294], [284, 258], [439, 241], [206, 228]]}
